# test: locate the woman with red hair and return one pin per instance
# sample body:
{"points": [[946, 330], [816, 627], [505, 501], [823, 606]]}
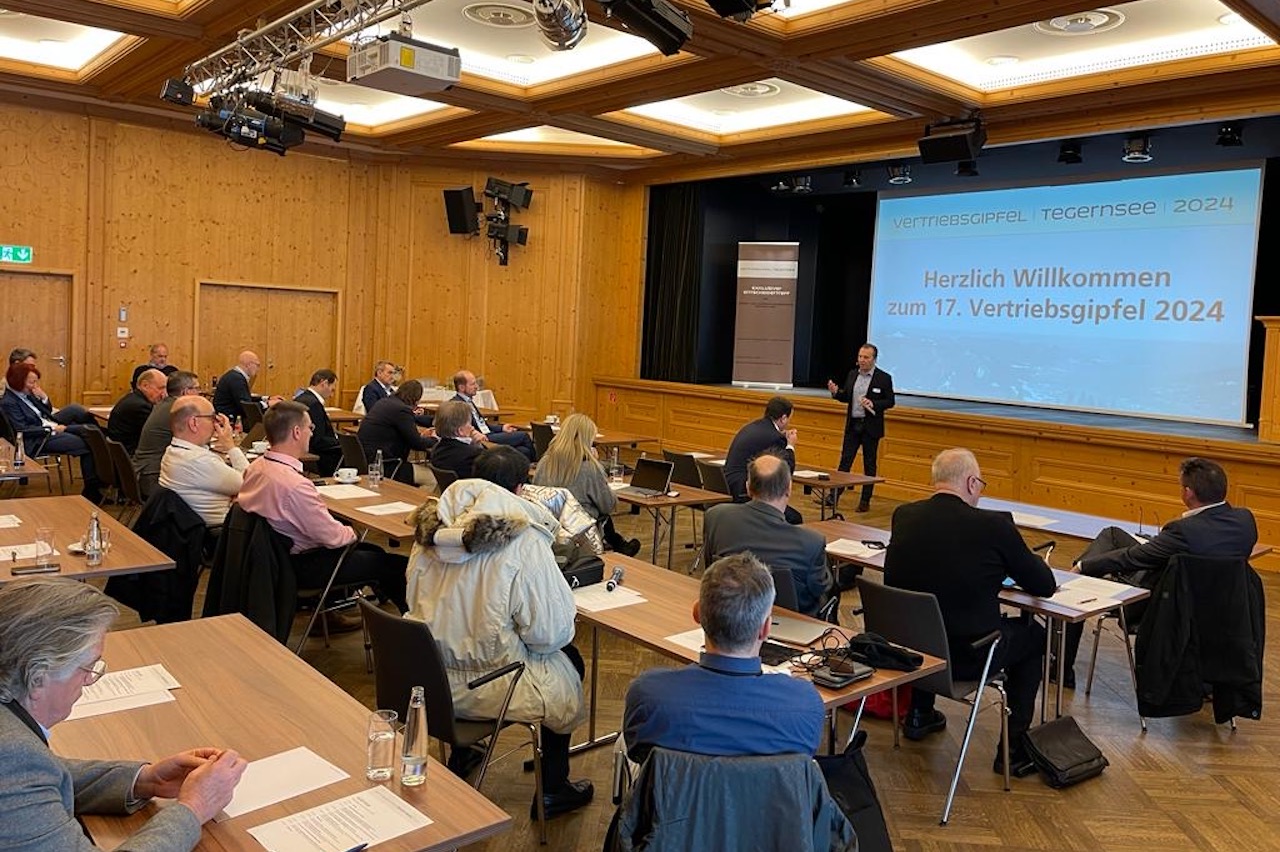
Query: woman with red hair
{"points": [[40, 433]]}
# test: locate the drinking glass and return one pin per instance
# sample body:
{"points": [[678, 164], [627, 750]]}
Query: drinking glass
{"points": [[44, 546], [380, 761]]}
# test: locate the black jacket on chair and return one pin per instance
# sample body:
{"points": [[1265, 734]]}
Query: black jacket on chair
{"points": [[1205, 624], [252, 574], [169, 524]]}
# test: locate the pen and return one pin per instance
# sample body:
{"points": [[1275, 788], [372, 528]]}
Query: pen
{"points": [[1087, 600], [360, 848]]}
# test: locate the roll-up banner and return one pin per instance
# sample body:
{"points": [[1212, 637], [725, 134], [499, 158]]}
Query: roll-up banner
{"points": [[764, 333]]}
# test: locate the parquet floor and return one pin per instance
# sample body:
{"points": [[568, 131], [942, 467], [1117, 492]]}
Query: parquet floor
{"points": [[1186, 784]]}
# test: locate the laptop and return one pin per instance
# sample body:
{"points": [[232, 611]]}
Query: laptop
{"points": [[796, 631], [651, 478]]}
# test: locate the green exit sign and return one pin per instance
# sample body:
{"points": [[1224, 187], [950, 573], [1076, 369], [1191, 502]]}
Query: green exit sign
{"points": [[15, 254]]}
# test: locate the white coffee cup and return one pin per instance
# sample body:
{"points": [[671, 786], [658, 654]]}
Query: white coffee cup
{"points": [[347, 474], [261, 447]]}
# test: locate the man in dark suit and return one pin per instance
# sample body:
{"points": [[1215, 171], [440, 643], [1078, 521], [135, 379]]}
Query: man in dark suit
{"points": [[131, 411], [868, 390], [324, 440], [759, 527], [771, 433], [233, 387], [379, 387], [466, 387], [961, 554], [159, 361], [457, 449], [1210, 527]]}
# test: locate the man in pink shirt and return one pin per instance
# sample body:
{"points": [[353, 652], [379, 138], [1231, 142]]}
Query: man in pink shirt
{"points": [[275, 489]]}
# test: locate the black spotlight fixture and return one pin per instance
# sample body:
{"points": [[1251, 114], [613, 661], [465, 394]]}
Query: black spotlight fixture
{"points": [[1071, 153], [899, 175], [967, 168], [782, 184], [1137, 149], [852, 179], [1230, 135], [802, 184]]}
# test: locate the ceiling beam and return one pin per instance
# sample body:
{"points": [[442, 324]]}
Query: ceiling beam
{"points": [[882, 90], [110, 16], [631, 135], [1263, 14]]}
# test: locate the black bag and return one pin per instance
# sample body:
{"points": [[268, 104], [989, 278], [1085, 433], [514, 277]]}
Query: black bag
{"points": [[876, 651], [580, 565], [1063, 754], [849, 783]]}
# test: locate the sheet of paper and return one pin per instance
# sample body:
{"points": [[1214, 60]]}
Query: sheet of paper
{"points": [[397, 508], [1026, 519], [345, 492], [617, 486], [279, 777], [719, 462], [18, 552], [8, 522], [154, 678], [695, 640], [805, 474], [701, 455], [597, 597], [1097, 586], [1078, 598], [122, 702], [371, 816], [851, 549]]}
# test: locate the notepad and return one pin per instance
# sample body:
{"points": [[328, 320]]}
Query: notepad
{"points": [[397, 508], [851, 549]]}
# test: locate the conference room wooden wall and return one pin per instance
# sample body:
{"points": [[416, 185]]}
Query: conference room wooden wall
{"points": [[138, 216]]}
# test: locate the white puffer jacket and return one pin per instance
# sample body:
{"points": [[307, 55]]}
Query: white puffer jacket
{"points": [[483, 576]]}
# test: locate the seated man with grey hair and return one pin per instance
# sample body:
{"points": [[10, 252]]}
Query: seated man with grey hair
{"points": [[203, 465], [52, 632], [724, 705], [130, 412], [459, 445]]}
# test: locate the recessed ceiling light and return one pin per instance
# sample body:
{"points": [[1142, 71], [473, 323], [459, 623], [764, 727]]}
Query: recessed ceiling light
{"points": [[51, 42], [1002, 60], [499, 15], [752, 90], [1230, 19], [520, 58], [724, 112], [1081, 23]]}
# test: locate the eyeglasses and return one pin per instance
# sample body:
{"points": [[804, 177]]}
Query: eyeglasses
{"points": [[210, 416], [94, 673], [981, 482]]}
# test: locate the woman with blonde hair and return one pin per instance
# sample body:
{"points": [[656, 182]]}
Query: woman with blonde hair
{"points": [[570, 462]]}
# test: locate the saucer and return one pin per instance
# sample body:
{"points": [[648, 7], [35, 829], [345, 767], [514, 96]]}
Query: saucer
{"points": [[352, 481]]}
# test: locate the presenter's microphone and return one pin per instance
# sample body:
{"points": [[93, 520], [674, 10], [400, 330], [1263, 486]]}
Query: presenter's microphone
{"points": [[616, 580]]}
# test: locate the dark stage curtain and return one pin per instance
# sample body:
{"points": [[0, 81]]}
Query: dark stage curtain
{"points": [[672, 283]]}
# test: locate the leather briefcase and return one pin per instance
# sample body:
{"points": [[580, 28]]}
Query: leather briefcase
{"points": [[1063, 754]]}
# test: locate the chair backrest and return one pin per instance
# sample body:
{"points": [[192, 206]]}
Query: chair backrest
{"points": [[784, 585], [353, 453], [405, 655], [6, 429], [256, 432], [697, 801], [250, 415], [684, 469], [103, 464], [712, 476], [542, 435], [126, 476], [444, 478], [908, 618]]}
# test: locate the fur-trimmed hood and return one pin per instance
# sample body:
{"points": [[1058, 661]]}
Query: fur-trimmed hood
{"points": [[473, 517]]}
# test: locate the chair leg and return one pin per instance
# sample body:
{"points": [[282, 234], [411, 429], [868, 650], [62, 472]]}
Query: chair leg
{"points": [[964, 750], [1133, 668], [1093, 656], [897, 734], [857, 719]]}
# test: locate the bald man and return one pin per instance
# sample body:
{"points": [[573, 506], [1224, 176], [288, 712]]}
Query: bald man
{"points": [[202, 465], [131, 411], [233, 387]]}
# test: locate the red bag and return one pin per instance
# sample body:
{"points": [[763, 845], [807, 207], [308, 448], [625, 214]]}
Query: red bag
{"points": [[880, 704]]}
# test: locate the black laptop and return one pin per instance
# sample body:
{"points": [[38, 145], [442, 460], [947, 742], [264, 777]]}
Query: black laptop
{"points": [[651, 478]]}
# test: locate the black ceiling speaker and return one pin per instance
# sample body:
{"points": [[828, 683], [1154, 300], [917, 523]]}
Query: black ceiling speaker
{"points": [[953, 141]]}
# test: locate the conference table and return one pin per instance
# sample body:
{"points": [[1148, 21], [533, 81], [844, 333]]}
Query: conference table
{"points": [[822, 480], [15, 476], [241, 689], [663, 509], [667, 612], [343, 501], [68, 517], [1120, 596]]}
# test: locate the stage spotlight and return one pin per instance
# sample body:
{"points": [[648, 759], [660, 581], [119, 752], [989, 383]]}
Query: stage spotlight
{"points": [[563, 23], [1070, 153], [1230, 135], [967, 168], [658, 22], [802, 184], [1137, 149], [781, 185], [899, 175], [852, 179]]}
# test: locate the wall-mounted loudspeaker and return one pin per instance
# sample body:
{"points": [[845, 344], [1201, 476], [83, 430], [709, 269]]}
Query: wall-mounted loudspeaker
{"points": [[460, 206]]}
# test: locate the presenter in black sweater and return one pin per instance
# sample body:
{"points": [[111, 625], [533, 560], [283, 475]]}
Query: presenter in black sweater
{"points": [[868, 390]]}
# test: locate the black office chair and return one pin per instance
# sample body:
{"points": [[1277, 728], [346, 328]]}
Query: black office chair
{"points": [[353, 453], [444, 478], [914, 620], [542, 435], [712, 476], [102, 461], [784, 589], [128, 491], [406, 655], [684, 471], [250, 415]]}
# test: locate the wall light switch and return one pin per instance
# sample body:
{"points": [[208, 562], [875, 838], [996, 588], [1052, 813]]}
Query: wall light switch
{"points": [[122, 332]]}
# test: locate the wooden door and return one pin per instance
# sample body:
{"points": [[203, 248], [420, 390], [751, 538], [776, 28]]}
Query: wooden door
{"points": [[294, 333], [39, 318]]}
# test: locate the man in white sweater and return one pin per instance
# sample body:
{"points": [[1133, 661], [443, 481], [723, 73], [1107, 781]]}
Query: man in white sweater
{"points": [[202, 464]]}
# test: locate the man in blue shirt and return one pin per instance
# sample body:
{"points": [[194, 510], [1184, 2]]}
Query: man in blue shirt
{"points": [[725, 705]]}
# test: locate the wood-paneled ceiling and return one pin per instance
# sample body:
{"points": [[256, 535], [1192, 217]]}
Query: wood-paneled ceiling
{"points": [[823, 82]]}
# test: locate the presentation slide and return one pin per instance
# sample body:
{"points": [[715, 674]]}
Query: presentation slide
{"points": [[1124, 297]]}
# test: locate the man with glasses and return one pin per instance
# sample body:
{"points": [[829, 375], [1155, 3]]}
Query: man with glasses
{"points": [[961, 554], [203, 465], [156, 434], [52, 632], [275, 488]]}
